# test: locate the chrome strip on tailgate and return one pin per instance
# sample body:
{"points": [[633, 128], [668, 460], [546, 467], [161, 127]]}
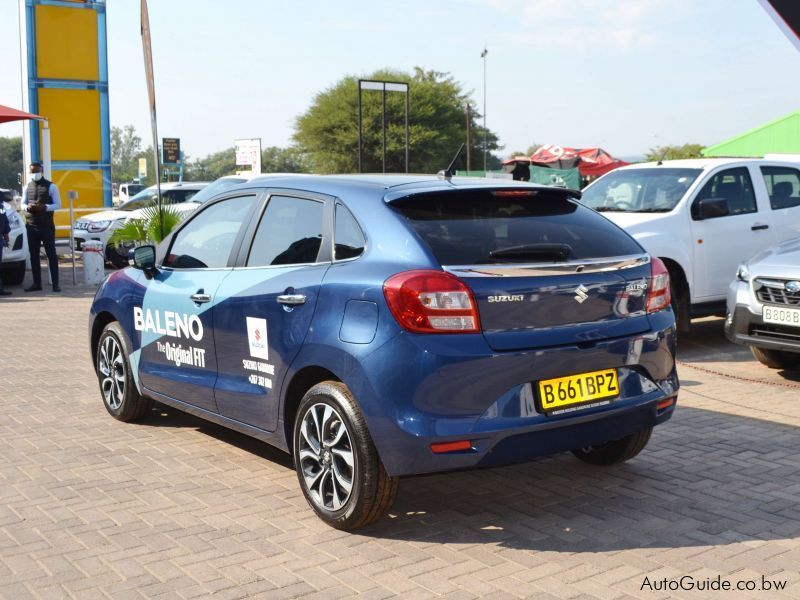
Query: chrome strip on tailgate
{"points": [[594, 265]]}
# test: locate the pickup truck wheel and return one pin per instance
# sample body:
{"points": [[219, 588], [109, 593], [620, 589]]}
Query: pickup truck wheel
{"points": [[617, 451], [120, 396], [776, 359], [337, 464]]}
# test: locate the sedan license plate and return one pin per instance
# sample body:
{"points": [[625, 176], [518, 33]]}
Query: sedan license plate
{"points": [[782, 316], [565, 393]]}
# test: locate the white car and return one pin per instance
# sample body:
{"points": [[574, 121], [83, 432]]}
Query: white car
{"points": [[764, 306], [100, 225], [12, 268], [702, 217]]}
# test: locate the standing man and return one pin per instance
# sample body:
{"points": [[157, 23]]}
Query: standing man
{"points": [[39, 201], [5, 228]]}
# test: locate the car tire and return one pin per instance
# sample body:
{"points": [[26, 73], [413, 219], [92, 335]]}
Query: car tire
{"points": [[342, 478], [13, 273], [776, 359], [616, 451], [117, 260], [113, 367]]}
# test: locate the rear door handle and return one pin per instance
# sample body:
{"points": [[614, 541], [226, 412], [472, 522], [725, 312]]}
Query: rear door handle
{"points": [[291, 299], [759, 226], [200, 297]]}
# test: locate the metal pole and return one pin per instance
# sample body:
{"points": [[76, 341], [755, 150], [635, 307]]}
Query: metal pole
{"points": [[407, 134], [485, 132], [71, 195], [383, 123], [359, 127], [469, 138]]}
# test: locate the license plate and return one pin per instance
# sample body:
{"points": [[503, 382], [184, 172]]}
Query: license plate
{"points": [[565, 392], [778, 315]]}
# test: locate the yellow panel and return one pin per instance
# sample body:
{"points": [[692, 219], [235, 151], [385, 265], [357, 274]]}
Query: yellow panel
{"points": [[66, 43], [74, 117], [88, 184]]}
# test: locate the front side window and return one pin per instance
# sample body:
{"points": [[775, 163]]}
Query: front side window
{"points": [[207, 240], [347, 238], [290, 233], [783, 186], [735, 186]]}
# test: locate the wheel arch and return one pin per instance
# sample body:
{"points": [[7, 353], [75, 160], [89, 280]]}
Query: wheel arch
{"points": [[102, 319], [683, 302], [302, 381]]}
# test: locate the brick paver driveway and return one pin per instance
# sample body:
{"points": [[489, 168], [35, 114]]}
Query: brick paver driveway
{"points": [[176, 507]]}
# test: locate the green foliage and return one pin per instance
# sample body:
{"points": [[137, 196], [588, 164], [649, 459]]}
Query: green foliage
{"points": [[212, 166], [327, 134], [283, 160], [674, 152], [126, 148], [148, 228], [10, 162]]}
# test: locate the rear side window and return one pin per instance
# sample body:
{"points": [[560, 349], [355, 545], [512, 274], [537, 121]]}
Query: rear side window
{"points": [[348, 240], [783, 186], [472, 228], [290, 233]]}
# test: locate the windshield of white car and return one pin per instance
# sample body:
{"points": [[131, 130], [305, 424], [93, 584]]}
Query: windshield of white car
{"points": [[216, 187], [148, 198], [647, 190]]}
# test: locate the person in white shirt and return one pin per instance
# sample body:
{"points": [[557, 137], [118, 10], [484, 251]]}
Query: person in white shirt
{"points": [[39, 200]]}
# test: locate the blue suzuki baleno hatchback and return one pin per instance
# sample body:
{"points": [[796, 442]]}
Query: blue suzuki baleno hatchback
{"points": [[381, 326]]}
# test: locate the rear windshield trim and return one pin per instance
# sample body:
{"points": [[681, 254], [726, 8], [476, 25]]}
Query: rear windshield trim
{"points": [[594, 265], [394, 196]]}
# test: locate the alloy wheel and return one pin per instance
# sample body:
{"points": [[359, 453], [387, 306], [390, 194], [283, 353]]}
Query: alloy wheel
{"points": [[111, 367]]}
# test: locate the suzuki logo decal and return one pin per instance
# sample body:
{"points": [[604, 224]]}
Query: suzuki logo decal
{"points": [[792, 287], [580, 294]]}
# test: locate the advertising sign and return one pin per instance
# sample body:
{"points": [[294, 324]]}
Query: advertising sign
{"points": [[170, 151], [142, 168], [248, 153]]}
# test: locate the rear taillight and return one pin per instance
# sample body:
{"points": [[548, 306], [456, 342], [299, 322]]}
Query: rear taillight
{"points": [[431, 302], [658, 296]]}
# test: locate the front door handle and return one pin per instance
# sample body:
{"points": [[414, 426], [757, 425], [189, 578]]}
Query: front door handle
{"points": [[200, 297], [291, 299], [759, 226]]}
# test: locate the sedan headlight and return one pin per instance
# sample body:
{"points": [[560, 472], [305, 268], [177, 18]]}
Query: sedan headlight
{"points": [[97, 226], [742, 273]]}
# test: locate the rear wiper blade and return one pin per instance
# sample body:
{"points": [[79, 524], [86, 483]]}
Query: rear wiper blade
{"points": [[541, 252]]}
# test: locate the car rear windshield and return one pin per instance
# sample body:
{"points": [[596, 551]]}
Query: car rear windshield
{"points": [[491, 227]]}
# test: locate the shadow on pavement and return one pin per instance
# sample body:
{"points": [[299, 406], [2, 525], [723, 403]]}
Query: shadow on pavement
{"points": [[706, 478]]}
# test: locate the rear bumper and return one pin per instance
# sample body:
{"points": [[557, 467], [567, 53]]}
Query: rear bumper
{"points": [[423, 390]]}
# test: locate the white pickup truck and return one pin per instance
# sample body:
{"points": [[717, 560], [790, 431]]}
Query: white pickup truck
{"points": [[702, 217]]}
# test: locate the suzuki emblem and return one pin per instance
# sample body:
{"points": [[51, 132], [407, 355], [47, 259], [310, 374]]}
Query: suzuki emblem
{"points": [[580, 294], [792, 287]]}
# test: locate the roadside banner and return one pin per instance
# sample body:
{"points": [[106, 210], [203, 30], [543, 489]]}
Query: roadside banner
{"points": [[248, 153], [786, 14], [151, 94]]}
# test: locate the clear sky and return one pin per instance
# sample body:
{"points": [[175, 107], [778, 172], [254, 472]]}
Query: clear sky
{"points": [[625, 75]]}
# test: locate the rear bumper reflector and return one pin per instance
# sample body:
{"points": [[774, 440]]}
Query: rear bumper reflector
{"points": [[451, 446], [665, 404]]}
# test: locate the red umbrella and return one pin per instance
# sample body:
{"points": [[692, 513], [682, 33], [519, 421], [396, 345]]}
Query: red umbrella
{"points": [[8, 114]]}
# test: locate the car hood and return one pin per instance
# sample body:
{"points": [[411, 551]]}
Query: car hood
{"points": [[106, 215], [782, 260], [631, 221]]}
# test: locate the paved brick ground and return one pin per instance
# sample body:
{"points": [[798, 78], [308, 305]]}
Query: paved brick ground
{"points": [[174, 507]]}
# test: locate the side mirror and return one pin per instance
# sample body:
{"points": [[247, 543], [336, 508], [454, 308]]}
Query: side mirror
{"points": [[144, 259], [711, 208]]}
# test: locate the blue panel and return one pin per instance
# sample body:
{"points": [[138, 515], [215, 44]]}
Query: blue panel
{"points": [[360, 322]]}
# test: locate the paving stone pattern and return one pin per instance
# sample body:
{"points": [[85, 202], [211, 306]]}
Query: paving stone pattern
{"points": [[174, 507]]}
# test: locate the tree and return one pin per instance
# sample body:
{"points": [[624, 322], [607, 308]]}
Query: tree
{"points": [[212, 166], [283, 160], [10, 161], [674, 152], [327, 133], [126, 148]]}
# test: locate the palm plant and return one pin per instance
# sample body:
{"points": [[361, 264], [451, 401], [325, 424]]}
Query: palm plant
{"points": [[152, 226]]}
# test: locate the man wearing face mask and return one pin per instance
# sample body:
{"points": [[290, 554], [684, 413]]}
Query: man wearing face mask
{"points": [[39, 200]]}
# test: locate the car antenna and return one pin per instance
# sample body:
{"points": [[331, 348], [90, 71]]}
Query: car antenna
{"points": [[661, 158], [448, 172]]}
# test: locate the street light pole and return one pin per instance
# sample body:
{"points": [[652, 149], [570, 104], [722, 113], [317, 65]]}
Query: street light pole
{"points": [[485, 136]]}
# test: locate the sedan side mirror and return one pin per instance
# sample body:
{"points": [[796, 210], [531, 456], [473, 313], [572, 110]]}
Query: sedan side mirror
{"points": [[144, 259], [711, 208]]}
